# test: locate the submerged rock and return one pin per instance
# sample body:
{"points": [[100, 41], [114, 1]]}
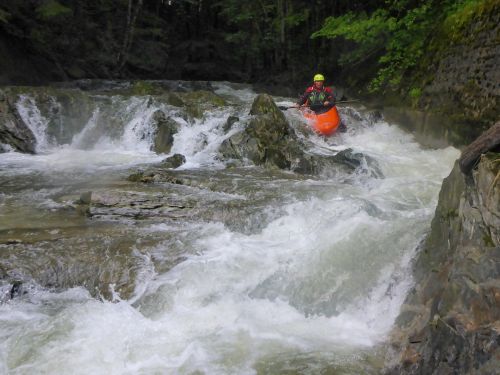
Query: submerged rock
{"points": [[357, 160]]}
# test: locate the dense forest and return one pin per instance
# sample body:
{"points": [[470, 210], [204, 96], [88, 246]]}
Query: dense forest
{"points": [[369, 43]]}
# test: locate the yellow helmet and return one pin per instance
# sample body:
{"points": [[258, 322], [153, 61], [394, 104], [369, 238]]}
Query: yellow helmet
{"points": [[319, 77]]}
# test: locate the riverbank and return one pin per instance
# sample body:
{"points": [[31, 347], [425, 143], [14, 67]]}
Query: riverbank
{"points": [[449, 321]]}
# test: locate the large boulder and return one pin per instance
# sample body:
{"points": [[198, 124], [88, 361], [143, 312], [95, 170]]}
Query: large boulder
{"points": [[266, 140], [269, 140], [173, 161], [449, 321], [166, 128], [14, 133]]}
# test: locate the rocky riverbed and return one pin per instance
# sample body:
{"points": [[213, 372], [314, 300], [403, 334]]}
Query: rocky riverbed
{"points": [[226, 234]]}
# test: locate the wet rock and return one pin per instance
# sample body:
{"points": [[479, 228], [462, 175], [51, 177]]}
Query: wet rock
{"points": [[57, 106], [203, 97], [174, 99], [356, 160], [231, 120], [14, 133], [85, 198], [166, 128], [197, 102], [487, 181], [266, 140], [174, 161], [138, 206], [145, 88], [16, 289], [457, 280], [156, 176], [269, 140], [141, 177], [82, 205], [374, 117]]}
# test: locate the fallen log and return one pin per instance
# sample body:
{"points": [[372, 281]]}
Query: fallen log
{"points": [[488, 141]]}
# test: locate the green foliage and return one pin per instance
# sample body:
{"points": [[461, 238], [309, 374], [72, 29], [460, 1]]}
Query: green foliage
{"points": [[51, 9], [415, 93], [399, 39], [398, 32], [357, 27], [405, 47]]}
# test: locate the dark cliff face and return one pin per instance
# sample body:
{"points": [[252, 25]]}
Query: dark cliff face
{"points": [[463, 79], [449, 322]]}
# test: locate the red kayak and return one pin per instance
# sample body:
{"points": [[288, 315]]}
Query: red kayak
{"points": [[324, 123]]}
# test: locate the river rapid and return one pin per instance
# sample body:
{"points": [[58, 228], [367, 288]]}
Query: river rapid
{"points": [[248, 271]]}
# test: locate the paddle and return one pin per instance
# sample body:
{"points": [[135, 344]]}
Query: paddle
{"points": [[283, 108]]}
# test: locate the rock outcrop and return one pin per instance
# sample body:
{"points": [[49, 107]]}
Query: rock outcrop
{"points": [[14, 133], [265, 140], [166, 128], [449, 323], [269, 140], [463, 76]]}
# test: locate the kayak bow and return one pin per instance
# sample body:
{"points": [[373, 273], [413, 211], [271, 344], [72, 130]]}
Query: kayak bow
{"points": [[323, 123]]}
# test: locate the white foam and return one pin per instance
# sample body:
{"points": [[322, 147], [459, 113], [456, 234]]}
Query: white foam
{"points": [[327, 275], [36, 122]]}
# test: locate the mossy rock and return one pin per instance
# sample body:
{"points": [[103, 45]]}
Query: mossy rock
{"points": [[174, 161], [145, 88], [174, 99], [196, 102], [202, 97]]}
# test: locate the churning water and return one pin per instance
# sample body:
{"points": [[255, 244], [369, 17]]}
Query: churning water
{"points": [[296, 275]]}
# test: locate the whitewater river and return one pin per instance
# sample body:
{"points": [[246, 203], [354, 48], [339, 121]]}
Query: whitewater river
{"points": [[267, 272]]}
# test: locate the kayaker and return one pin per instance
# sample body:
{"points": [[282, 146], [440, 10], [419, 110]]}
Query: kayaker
{"points": [[318, 97]]}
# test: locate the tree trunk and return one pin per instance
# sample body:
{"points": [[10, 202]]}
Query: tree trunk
{"points": [[488, 141], [132, 14]]}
